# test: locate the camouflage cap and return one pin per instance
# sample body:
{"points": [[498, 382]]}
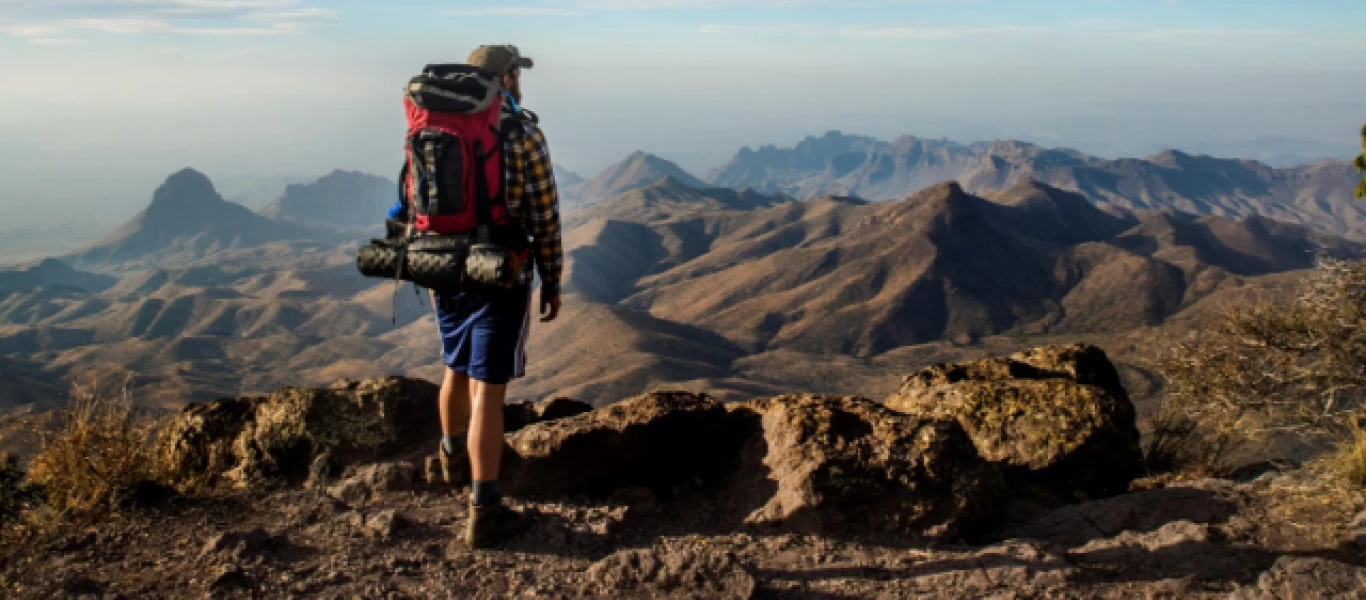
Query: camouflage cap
{"points": [[499, 59]]}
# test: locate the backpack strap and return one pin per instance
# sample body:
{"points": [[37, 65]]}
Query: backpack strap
{"points": [[483, 212], [402, 181]]}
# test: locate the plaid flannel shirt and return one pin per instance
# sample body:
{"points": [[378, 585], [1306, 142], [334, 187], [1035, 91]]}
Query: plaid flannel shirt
{"points": [[533, 198]]}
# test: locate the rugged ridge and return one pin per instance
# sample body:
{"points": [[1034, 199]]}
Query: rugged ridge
{"points": [[1317, 195]]}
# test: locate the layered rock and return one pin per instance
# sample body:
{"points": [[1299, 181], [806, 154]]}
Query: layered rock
{"points": [[825, 465], [315, 434], [656, 441], [240, 442], [1055, 418], [934, 461]]}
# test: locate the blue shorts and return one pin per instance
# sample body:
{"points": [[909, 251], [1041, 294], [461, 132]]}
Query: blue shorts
{"points": [[483, 333]]}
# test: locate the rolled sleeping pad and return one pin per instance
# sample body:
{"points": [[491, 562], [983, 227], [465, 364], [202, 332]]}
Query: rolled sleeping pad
{"points": [[379, 260], [434, 264]]}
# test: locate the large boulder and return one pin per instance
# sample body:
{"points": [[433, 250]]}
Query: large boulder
{"points": [[1057, 419], [827, 465], [657, 441], [244, 441]]}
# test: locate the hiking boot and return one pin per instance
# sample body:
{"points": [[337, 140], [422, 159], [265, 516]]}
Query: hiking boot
{"points": [[489, 526], [454, 467]]}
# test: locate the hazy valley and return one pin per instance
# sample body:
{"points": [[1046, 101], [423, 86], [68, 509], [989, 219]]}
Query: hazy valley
{"points": [[770, 275]]}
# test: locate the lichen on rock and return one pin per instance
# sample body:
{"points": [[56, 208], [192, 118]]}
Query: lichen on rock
{"points": [[1056, 418], [829, 464], [245, 441]]}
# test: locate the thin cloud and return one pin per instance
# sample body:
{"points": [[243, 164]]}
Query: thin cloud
{"points": [[1189, 36], [945, 32], [725, 29], [31, 31], [936, 33], [727, 4], [512, 11], [42, 41], [53, 19]]}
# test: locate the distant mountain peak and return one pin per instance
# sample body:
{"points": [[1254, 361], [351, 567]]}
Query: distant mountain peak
{"points": [[950, 188], [188, 219], [340, 198], [49, 264], [188, 176], [1170, 158], [669, 181], [186, 187], [639, 170]]}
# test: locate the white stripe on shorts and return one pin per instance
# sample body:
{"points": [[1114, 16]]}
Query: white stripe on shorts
{"points": [[519, 368]]}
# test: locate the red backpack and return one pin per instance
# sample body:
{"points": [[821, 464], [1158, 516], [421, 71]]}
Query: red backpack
{"points": [[452, 181]]}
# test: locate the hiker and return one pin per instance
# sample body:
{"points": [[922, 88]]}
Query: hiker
{"points": [[484, 331]]}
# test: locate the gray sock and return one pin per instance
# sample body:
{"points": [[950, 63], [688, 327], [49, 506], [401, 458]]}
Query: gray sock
{"points": [[486, 493], [452, 443]]}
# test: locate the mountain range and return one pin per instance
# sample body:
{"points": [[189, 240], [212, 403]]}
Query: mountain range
{"points": [[1317, 195], [841, 276], [672, 281]]}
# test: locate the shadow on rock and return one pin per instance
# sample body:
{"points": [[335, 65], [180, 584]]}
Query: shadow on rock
{"points": [[1201, 502]]}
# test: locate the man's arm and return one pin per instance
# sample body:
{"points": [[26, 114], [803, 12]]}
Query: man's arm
{"points": [[544, 212]]}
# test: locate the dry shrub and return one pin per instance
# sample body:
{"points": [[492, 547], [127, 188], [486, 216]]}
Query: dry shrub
{"points": [[1181, 443], [1351, 457], [1288, 367], [99, 447]]}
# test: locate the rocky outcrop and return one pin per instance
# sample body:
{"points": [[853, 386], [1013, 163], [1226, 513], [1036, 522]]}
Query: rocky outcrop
{"points": [[244, 441], [656, 441], [1055, 418], [935, 461], [799, 463], [825, 465]]}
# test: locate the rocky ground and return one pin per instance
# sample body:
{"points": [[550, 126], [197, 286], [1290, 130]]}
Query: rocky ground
{"points": [[1284, 535], [674, 495]]}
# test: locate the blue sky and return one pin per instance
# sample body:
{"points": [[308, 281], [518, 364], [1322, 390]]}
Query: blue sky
{"points": [[131, 90]]}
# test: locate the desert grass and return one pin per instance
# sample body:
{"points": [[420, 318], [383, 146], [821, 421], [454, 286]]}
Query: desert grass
{"points": [[99, 446]]}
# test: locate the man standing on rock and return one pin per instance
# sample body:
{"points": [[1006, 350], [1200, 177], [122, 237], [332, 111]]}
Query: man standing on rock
{"points": [[483, 333]]}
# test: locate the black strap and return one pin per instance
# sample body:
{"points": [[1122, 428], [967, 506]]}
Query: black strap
{"points": [[483, 212], [403, 193]]}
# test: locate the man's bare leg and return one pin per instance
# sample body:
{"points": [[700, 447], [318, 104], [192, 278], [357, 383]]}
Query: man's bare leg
{"points": [[454, 403], [490, 522], [486, 439]]}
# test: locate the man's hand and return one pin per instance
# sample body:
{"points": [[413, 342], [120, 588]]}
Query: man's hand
{"points": [[550, 307]]}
